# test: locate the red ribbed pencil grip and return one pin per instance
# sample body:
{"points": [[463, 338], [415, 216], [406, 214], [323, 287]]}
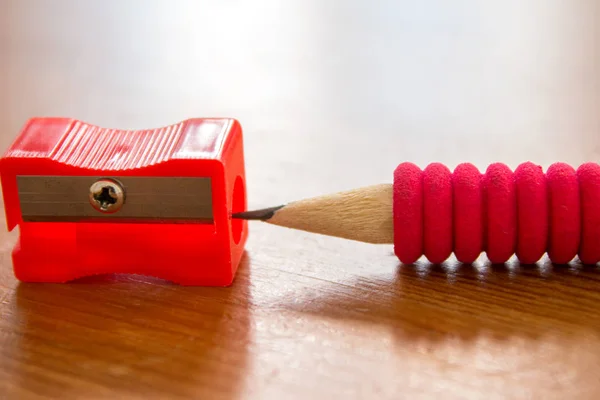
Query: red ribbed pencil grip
{"points": [[502, 213]]}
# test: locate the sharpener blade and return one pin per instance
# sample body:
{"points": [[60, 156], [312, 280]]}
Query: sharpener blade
{"points": [[146, 199]]}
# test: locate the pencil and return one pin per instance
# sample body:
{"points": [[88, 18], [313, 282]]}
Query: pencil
{"points": [[436, 212]]}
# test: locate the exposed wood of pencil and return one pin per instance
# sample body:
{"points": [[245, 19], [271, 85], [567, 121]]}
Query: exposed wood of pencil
{"points": [[363, 214]]}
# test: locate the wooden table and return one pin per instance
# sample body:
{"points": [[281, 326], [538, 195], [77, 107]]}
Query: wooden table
{"points": [[332, 96]]}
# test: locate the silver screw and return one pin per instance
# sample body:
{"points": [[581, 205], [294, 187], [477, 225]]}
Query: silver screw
{"points": [[107, 195]]}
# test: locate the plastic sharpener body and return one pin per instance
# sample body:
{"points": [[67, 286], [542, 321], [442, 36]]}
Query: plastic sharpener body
{"points": [[89, 200]]}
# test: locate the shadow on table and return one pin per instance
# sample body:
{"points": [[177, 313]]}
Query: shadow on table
{"points": [[132, 336], [467, 302]]}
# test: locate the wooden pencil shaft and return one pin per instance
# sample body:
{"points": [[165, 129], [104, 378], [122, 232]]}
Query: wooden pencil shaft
{"points": [[363, 214]]}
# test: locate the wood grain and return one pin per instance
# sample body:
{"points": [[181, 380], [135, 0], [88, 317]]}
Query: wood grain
{"points": [[332, 96]]}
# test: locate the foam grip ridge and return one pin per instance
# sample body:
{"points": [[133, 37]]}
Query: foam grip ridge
{"points": [[526, 213]]}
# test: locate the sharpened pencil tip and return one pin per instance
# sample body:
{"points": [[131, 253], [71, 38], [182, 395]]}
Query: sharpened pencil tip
{"points": [[261, 215]]}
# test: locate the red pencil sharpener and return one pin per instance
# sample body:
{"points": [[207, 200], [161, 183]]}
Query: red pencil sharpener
{"points": [[90, 200]]}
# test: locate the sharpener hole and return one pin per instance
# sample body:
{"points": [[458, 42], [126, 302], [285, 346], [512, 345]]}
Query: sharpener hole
{"points": [[238, 205]]}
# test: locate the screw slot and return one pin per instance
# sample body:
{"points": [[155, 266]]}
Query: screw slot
{"points": [[107, 196]]}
